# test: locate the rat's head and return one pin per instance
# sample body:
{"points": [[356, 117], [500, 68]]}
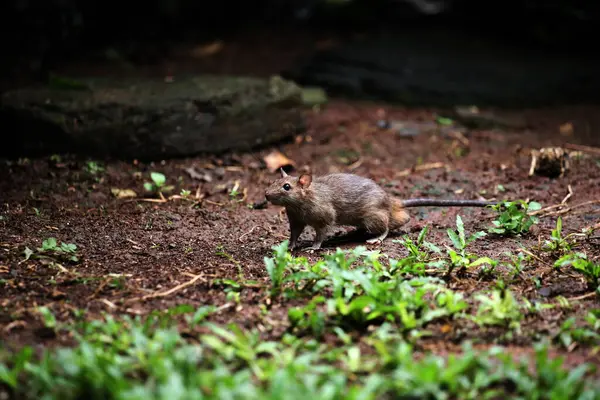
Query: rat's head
{"points": [[288, 190]]}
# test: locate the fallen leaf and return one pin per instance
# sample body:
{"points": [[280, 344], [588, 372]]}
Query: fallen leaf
{"points": [[57, 294], [123, 193], [446, 328], [207, 50], [276, 160], [566, 129]]}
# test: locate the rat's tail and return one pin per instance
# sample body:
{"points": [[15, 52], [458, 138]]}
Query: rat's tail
{"points": [[446, 203], [399, 216]]}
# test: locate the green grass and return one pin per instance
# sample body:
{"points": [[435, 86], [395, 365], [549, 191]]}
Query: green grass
{"points": [[372, 309], [134, 359]]}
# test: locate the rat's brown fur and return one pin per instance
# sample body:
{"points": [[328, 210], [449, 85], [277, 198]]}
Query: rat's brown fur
{"points": [[345, 199], [336, 199]]}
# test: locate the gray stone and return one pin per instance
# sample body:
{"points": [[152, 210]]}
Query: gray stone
{"points": [[150, 119]]}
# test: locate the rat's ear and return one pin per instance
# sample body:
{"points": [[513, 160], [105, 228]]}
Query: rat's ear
{"points": [[283, 174], [305, 180]]}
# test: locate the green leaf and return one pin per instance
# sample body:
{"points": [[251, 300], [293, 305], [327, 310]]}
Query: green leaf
{"points": [[149, 187], [534, 206], [48, 244], [68, 247], [460, 227], [455, 239], [48, 317], [7, 377], [444, 121], [158, 178], [28, 253], [422, 235], [475, 236], [432, 247], [483, 260]]}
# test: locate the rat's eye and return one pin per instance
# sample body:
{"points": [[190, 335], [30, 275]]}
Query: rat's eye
{"points": [[286, 187]]}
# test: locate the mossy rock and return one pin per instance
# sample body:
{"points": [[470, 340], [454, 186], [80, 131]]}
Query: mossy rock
{"points": [[150, 119]]}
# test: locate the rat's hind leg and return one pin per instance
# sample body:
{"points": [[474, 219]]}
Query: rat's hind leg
{"points": [[377, 223]]}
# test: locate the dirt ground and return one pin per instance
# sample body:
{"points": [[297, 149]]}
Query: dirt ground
{"points": [[155, 246]]}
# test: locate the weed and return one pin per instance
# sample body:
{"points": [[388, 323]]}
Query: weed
{"points": [[158, 184], [48, 317], [570, 334], [94, 168], [517, 264], [308, 318], [357, 291], [136, 359], [513, 218], [557, 244], [488, 268], [500, 308], [581, 264], [459, 257], [50, 248], [276, 267], [200, 315], [419, 255]]}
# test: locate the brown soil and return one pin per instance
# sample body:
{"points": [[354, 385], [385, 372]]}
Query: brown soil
{"points": [[157, 245]]}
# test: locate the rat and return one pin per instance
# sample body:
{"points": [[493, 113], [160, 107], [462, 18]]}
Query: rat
{"points": [[345, 199]]}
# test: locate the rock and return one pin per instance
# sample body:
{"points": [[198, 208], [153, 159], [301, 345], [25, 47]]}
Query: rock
{"points": [[150, 119], [474, 118], [444, 67]]}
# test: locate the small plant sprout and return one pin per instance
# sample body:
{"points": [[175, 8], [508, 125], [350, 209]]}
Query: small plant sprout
{"points": [[94, 168], [557, 243], [500, 308], [277, 265], [571, 335], [459, 239], [48, 317], [419, 254], [185, 193], [581, 264], [459, 257], [235, 191], [517, 263], [158, 184], [51, 248], [513, 218]]}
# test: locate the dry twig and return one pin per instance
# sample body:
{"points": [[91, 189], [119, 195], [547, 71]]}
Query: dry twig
{"points": [[170, 291], [249, 232], [585, 149], [568, 196], [422, 167], [583, 297]]}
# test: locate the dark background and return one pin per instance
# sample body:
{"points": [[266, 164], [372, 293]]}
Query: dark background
{"points": [[38, 35]]}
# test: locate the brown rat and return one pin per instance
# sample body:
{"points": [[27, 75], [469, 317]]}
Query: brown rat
{"points": [[345, 199]]}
